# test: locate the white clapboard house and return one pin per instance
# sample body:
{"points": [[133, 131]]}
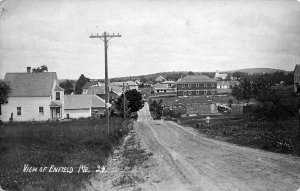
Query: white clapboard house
{"points": [[33, 97]]}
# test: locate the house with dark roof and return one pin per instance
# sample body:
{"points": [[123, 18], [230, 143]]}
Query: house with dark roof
{"points": [[87, 85], [196, 85], [33, 96], [114, 91], [77, 106]]}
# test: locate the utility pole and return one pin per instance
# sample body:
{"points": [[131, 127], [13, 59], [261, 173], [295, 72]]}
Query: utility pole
{"points": [[105, 37]]}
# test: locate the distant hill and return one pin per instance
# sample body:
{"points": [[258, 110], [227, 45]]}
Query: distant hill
{"points": [[257, 70], [177, 74]]}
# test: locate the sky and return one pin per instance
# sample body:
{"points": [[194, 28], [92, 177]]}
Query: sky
{"points": [[157, 36]]}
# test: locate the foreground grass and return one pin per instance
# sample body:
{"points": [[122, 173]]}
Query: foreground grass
{"points": [[274, 136], [64, 144]]}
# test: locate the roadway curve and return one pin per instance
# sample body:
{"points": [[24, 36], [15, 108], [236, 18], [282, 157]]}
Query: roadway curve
{"points": [[199, 163]]}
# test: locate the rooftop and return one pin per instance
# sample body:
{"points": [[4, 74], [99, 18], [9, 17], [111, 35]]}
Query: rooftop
{"points": [[195, 79], [96, 90], [79, 101], [30, 84]]}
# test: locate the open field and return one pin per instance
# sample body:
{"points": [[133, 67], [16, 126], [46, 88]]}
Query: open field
{"points": [[62, 144], [274, 136]]}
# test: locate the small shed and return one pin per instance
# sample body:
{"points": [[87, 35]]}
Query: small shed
{"points": [[77, 106]]}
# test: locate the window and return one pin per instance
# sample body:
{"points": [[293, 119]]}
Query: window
{"points": [[57, 95], [156, 90], [205, 85], [190, 92], [197, 92], [205, 92], [19, 111], [197, 85], [184, 92], [41, 110], [182, 85], [189, 85], [212, 85], [212, 92], [0, 109]]}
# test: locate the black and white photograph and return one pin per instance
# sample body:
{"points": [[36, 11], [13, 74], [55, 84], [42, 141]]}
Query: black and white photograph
{"points": [[150, 95]]}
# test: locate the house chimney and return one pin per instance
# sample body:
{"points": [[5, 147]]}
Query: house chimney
{"points": [[28, 69]]}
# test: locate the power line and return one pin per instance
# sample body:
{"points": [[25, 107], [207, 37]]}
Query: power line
{"points": [[105, 37]]}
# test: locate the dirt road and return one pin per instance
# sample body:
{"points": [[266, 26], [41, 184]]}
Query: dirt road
{"points": [[192, 162]]}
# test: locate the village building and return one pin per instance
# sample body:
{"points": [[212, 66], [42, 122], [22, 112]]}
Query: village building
{"points": [[159, 79], [82, 106], [130, 85], [100, 92], [33, 97], [296, 77], [117, 90], [164, 89], [226, 84], [90, 84], [219, 76], [196, 85], [170, 83]]}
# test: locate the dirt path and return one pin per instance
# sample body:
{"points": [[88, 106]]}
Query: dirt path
{"points": [[190, 161]]}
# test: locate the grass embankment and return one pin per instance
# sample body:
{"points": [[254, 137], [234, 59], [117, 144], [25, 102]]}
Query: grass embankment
{"points": [[66, 144], [274, 136], [133, 156]]}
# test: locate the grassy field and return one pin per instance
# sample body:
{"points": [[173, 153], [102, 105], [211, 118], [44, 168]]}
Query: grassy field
{"points": [[274, 136], [62, 144], [183, 101]]}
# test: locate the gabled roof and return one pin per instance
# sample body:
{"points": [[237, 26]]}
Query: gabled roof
{"points": [[57, 88], [195, 79], [89, 84], [131, 83], [30, 84], [96, 90], [169, 82], [117, 89], [222, 76], [55, 104], [297, 68], [79, 101], [160, 77], [118, 83], [161, 86]]}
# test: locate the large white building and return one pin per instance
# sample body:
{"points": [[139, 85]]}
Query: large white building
{"points": [[33, 96]]}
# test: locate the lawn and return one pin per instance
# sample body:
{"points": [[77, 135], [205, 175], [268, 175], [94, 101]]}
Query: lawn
{"points": [[62, 144], [274, 136]]}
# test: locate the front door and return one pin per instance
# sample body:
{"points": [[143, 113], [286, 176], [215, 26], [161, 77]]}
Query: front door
{"points": [[58, 112], [55, 113]]}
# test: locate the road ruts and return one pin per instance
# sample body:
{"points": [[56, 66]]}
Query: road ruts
{"points": [[207, 164]]}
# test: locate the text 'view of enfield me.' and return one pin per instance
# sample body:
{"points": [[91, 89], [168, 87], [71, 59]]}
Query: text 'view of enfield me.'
{"points": [[149, 95]]}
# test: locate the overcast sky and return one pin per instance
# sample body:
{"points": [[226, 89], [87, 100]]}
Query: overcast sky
{"points": [[157, 36]]}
